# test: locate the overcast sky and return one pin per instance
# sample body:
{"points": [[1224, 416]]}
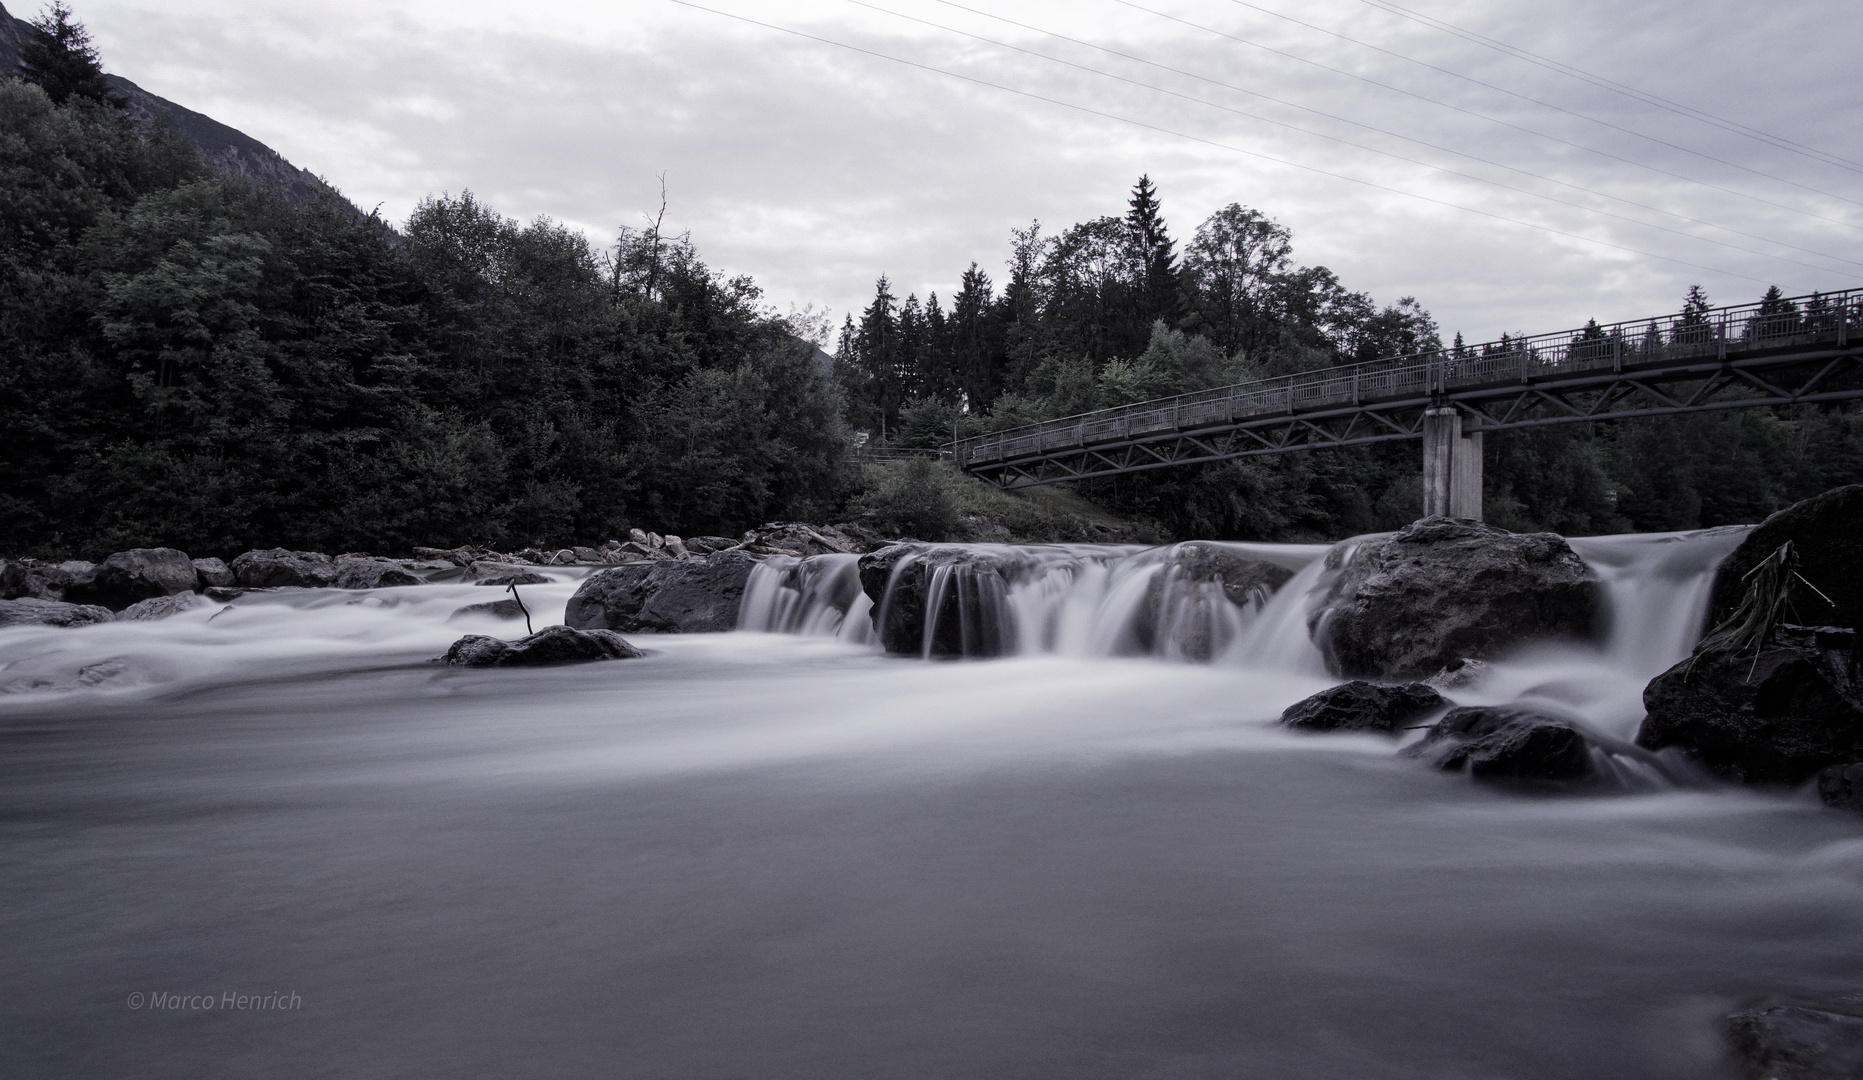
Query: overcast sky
{"points": [[815, 168]]}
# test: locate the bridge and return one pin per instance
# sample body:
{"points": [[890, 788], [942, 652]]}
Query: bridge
{"points": [[1793, 351]]}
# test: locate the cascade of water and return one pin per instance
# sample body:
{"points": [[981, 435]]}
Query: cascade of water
{"points": [[816, 596]]}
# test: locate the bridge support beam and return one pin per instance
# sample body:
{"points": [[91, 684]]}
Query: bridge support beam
{"points": [[1451, 466]]}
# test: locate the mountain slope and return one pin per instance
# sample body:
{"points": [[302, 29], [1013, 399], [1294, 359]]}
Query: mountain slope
{"points": [[226, 149]]}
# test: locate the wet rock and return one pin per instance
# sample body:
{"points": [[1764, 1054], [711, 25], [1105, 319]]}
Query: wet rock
{"points": [[1442, 589], [1826, 533], [137, 574], [213, 572], [1457, 674], [273, 568], [693, 596], [1506, 744], [522, 577], [29, 610], [968, 587], [161, 607], [1364, 706], [1819, 1038], [586, 555], [551, 645], [1841, 786], [1187, 604], [1774, 718], [371, 573], [496, 609]]}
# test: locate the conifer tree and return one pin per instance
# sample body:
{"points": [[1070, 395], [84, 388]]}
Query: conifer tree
{"points": [[58, 55], [1155, 282]]}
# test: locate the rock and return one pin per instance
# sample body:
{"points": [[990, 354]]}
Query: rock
{"points": [[1457, 674], [1806, 1039], [796, 538], [137, 574], [1444, 589], [1841, 786], [522, 577], [586, 555], [972, 617], [30, 578], [371, 573], [27, 610], [1775, 719], [677, 548], [695, 596], [274, 568], [551, 645], [496, 609], [705, 545], [1826, 533], [1363, 706], [638, 536], [1502, 743], [1183, 599], [213, 572], [161, 607]]}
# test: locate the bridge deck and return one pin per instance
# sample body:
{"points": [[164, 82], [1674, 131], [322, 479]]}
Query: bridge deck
{"points": [[1734, 356]]}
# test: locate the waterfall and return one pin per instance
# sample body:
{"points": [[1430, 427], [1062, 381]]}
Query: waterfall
{"points": [[1237, 604]]}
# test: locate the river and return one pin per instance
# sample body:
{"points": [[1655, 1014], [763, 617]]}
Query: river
{"points": [[271, 838]]}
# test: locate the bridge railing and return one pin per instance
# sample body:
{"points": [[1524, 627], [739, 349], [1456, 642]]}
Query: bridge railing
{"points": [[1637, 343]]}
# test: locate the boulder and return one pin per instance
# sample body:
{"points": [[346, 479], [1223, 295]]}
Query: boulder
{"points": [[551, 645], [1841, 786], [274, 568], [1826, 533], [496, 609], [161, 607], [1818, 1038], [796, 538], [1444, 589], [28, 610], [214, 573], [520, 577], [1774, 718], [365, 572], [971, 587], [30, 578], [137, 574], [1507, 744], [586, 555], [692, 596], [1364, 706]]}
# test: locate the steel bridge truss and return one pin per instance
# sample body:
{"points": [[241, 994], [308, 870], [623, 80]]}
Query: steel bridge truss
{"points": [[1577, 377]]}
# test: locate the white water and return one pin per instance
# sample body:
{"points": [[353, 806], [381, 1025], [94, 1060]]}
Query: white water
{"points": [[785, 854]]}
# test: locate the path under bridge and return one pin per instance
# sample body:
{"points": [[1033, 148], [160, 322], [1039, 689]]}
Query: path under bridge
{"points": [[1794, 351]]}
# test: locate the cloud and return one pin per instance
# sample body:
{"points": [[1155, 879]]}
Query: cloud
{"points": [[815, 168]]}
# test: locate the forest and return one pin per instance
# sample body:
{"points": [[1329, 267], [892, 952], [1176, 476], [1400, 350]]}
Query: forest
{"points": [[189, 358]]}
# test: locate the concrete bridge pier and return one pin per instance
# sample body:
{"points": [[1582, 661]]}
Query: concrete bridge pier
{"points": [[1451, 466]]}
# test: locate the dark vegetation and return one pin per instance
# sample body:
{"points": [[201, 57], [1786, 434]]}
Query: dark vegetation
{"points": [[200, 360]]}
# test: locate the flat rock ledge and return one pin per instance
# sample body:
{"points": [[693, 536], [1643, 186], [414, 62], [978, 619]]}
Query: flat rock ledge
{"points": [[551, 645]]}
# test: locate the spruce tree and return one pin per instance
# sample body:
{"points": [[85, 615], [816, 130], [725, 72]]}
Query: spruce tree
{"points": [[1155, 252], [58, 55]]}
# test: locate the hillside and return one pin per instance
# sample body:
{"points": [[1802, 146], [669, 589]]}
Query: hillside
{"points": [[226, 149]]}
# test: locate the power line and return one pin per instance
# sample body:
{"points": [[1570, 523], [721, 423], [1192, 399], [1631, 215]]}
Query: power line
{"points": [[1490, 119], [1211, 142], [1758, 134], [1545, 104], [1374, 128]]}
